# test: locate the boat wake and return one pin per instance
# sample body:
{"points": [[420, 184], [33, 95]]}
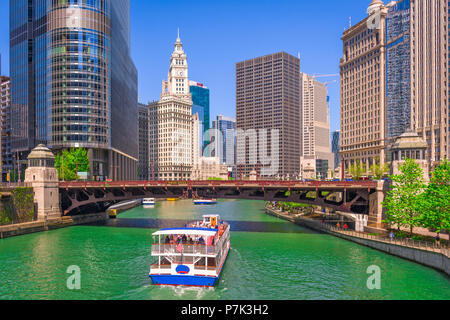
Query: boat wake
{"points": [[181, 292]]}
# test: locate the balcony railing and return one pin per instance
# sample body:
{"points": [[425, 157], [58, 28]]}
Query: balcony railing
{"points": [[171, 249]]}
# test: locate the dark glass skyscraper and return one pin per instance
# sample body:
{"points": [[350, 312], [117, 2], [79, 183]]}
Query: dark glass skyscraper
{"points": [[335, 148], [73, 83], [398, 69], [200, 105]]}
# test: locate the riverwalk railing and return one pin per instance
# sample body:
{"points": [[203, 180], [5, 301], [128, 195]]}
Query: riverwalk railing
{"points": [[15, 185], [411, 243]]}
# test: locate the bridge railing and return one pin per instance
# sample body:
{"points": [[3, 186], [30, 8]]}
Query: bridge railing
{"points": [[15, 185], [211, 183]]}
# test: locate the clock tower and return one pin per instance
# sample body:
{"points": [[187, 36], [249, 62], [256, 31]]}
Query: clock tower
{"points": [[174, 121], [177, 79]]}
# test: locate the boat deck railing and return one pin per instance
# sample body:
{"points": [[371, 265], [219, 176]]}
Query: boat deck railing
{"points": [[173, 249], [156, 266]]}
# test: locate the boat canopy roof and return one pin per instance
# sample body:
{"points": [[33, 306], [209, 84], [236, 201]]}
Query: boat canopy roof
{"points": [[187, 231]]}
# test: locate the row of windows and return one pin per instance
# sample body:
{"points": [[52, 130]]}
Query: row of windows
{"points": [[78, 84], [78, 67]]}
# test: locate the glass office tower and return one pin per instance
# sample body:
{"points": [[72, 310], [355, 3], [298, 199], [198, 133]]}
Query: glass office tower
{"points": [[335, 148], [200, 105], [73, 83], [398, 69], [225, 150]]}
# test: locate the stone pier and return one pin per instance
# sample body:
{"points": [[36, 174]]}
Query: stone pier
{"points": [[43, 177]]}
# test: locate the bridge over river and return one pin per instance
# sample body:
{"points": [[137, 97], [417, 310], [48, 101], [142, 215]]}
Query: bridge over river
{"points": [[352, 197]]}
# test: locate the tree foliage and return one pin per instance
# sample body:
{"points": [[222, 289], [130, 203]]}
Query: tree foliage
{"points": [[378, 170], [357, 170], [435, 201], [402, 202], [67, 162]]}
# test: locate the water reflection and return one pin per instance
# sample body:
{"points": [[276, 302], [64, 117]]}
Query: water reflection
{"points": [[236, 226]]}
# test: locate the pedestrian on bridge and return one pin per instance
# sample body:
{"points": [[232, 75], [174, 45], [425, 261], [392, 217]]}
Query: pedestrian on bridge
{"points": [[345, 227]]}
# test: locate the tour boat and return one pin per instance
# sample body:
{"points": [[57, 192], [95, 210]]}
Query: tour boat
{"points": [[190, 256], [205, 201], [148, 202]]}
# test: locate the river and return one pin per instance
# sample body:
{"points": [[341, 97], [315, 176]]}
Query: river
{"points": [[270, 259]]}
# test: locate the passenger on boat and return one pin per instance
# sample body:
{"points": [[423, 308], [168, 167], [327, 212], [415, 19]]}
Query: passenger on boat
{"points": [[184, 239], [201, 241], [167, 241]]}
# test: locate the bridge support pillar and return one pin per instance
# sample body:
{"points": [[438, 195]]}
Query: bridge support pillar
{"points": [[361, 221], [376, 208], [43, 177]]}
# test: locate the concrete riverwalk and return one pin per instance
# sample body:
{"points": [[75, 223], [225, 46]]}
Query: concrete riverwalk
{"points": [[50, 224], [425, 253]]}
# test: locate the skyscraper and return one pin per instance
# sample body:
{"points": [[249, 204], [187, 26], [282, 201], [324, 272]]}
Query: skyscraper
{"points": [[144, 156], [5, 140], [404, 88], [417, 56], [398, 69], [429, 77], [315, 123], [363, 72], [268, 115], [225, 141], [335, 148], [73, 83], [200, 104], [173, 121]]}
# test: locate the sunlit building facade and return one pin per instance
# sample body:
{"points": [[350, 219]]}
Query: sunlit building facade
{"points": [[73, 83], [268, 116], [5, 140], [363, 84]]}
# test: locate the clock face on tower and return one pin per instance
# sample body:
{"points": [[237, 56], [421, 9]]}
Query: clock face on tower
{"points": [[180, 73]]}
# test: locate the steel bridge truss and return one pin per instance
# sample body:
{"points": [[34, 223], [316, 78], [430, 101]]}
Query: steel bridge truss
{"points": [[81, 198]]}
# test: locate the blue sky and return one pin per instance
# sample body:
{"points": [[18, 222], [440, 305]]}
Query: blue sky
{"points": [[217, 34]]}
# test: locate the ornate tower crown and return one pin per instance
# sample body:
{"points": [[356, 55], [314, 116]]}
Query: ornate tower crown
{"points": [[177, 78]]}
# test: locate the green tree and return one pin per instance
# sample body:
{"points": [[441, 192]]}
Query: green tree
{"points": [[69, 161], [402, 201], [435, 201], [378, 170], [357, 170]]}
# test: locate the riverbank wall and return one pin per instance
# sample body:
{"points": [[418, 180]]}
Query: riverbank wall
{"points": [[434, 258], [51, 224]]}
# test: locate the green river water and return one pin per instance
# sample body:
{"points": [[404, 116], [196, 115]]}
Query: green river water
{"points": [[281, 261]]}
